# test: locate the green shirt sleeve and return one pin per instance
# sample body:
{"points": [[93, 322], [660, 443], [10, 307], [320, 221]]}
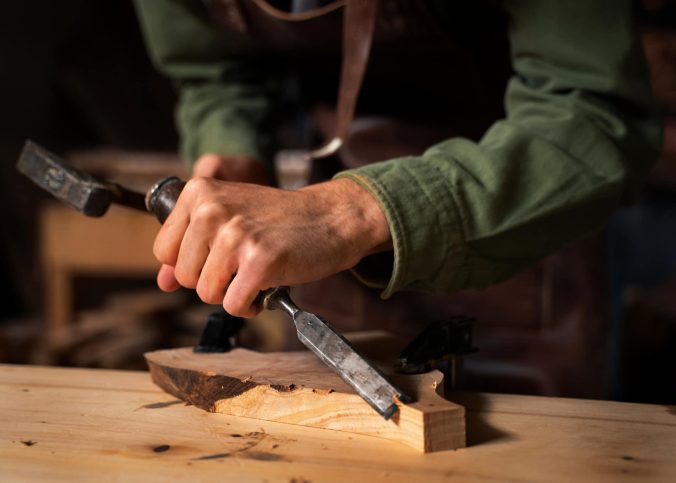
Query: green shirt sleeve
{"points": [[580, 134], [226, 96]]}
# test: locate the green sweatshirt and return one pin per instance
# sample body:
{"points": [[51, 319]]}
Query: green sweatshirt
{"points": [[580, 134]]}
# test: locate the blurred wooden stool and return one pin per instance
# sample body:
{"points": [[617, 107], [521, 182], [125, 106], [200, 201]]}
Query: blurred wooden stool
{"points": [[117, 245]]}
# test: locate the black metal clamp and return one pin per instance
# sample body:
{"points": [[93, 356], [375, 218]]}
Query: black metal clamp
{"points": [[442, 346], [220, 333]]}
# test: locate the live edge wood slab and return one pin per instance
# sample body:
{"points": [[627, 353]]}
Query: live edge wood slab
{"points": [[297, 388]]}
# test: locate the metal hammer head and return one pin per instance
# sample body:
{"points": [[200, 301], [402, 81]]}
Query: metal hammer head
{"points": [[78, 189]]}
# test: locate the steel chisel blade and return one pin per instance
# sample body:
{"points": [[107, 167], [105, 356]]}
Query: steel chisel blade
{"points": [[338, 354], [334, 350]]}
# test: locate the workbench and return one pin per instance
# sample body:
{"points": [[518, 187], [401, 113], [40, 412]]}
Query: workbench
{"points": [[80, 424]]}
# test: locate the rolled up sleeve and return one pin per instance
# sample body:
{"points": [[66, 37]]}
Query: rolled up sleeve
{"points": [[580, 134], [226, 97]]}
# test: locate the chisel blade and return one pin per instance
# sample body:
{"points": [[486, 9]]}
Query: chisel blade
{"points": [[338, 354]]}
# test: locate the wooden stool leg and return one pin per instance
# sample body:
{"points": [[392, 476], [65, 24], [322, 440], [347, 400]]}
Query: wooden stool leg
{"points": [[59, 298]]}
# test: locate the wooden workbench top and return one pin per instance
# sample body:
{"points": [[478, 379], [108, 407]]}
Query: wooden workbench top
{"points": [[76, 424]]}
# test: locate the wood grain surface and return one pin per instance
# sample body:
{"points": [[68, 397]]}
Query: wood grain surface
{"points": [[61, 424], [297, 388]]}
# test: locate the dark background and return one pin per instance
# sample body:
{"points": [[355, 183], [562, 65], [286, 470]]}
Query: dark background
{"points": [[74, 75]]}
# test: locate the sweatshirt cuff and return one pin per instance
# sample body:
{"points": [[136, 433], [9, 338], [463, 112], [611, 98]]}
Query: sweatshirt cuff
{"points": [[425, 224]]}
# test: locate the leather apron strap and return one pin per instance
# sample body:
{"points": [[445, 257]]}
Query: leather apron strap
{"points": [[359, 20]]}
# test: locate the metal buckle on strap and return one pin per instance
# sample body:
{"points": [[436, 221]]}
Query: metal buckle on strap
{"points": [[299, 16]]}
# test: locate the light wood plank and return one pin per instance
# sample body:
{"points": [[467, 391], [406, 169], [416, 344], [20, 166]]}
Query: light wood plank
{"points": [[104, 426]]}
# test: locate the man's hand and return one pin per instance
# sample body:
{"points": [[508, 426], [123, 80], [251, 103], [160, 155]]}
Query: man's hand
{"points": [[225, 168], [232, 240], [230, 168]]}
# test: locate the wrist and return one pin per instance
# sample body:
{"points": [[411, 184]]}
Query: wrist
{"points": [[354, 215]]}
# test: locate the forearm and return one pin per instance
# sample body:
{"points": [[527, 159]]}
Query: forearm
{"points": [[226, 97], [227, 119]]}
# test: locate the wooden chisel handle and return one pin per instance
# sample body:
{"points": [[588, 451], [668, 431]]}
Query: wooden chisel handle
{"points": [[162, 197]]}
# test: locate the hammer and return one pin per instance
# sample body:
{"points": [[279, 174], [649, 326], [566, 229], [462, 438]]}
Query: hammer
{"points": [[88, 195], [93, 198]]}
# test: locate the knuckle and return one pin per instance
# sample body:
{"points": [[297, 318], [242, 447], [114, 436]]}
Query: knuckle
{"points": [[252, 256], [202, 290], [230, 307], [234, 229], [260, 257], [206, 294], [196, 186], [236, 308], [185, 276], [238, 221], [208, 212], [163, 253]]}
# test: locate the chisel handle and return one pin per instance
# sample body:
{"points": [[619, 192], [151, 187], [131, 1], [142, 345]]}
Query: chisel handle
{"points": [[161, 198]]}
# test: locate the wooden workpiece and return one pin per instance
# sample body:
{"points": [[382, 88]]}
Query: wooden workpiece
{"points": [[82, 424], [297, 388]]}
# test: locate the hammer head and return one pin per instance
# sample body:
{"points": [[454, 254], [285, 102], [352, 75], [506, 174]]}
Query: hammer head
{"points": [[78, 189]]}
